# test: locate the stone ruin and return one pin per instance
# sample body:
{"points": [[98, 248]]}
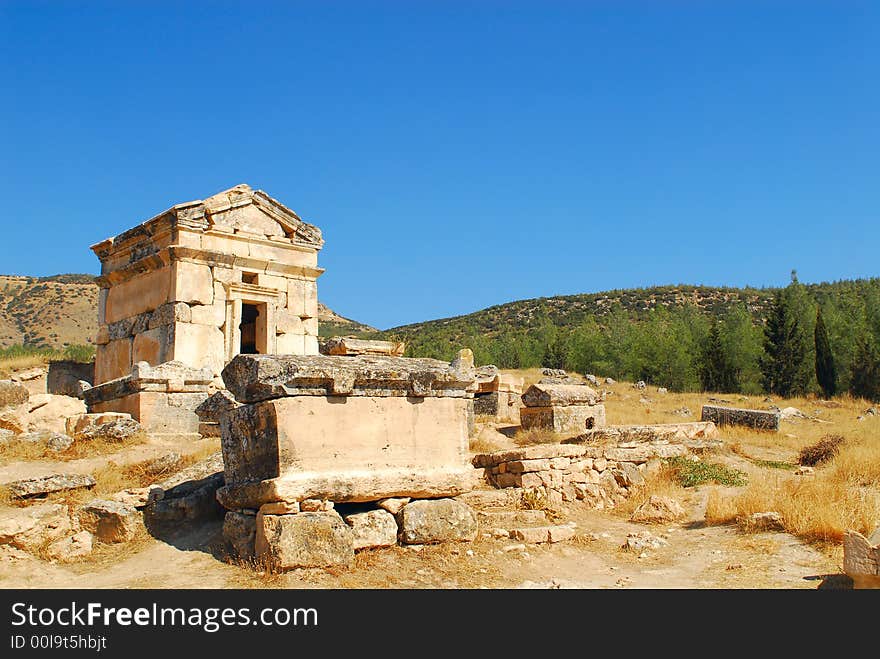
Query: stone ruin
{"points": [[562, 408], [498, 395], [200, 283], [382, 440]]}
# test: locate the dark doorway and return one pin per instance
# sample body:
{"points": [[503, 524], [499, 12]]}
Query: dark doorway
{"points": [[248, 328]]}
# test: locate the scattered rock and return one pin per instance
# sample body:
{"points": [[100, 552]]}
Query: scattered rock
{"points": [[871, 411], [189, 501], [54, 441], [6, 436], [164, 465], [628, 475], [68, 549], [12, 394], [39, 487], [32, 527], [658, 509], [554, 372], [767, 521], [110, 521], [682, 411], [789, 413], [644, 400], [436, 520], [640, 385], [50, 412], [804, 471], [643, 540], [592, 379], [376, 528], [610, 381], [662, 390], [114, 427], [541, 534], [308, 539], [510, 548]]}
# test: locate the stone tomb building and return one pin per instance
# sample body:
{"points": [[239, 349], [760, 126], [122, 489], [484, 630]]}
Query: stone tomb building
{"points": [[205, 281], [192, 288]]}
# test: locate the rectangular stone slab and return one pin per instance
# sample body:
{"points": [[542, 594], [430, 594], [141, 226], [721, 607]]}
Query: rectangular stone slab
{"points": [[253, 378], [735, 416], [548, 395], [648, 433], [351, 347], [345, 449]]}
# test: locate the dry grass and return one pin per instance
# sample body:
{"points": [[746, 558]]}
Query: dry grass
{"points": [[10, 365], [660, 483], [537, 436], [844, 493], [482, 445], [18, 451]]}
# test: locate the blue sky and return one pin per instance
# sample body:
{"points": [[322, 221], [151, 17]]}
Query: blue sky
{"points": [[457, 155]]}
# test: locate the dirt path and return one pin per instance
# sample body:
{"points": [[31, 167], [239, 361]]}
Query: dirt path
{"points": [[695, 557]]}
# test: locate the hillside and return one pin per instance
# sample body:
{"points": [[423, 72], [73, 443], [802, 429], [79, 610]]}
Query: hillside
{"points": [[571, 310], [62, 310]]}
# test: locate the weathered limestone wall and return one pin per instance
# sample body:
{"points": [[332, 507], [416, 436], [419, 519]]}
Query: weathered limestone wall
{"points": [[174, 287], [346, 448], [734, 416], [562, 408], [599, 476], [345, 429]]}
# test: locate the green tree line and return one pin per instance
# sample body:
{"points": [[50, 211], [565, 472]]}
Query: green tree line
{"points": [[822, 339]]}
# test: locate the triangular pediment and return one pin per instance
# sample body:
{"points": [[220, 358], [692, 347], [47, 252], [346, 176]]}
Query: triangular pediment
{"points": [[242, 209]]}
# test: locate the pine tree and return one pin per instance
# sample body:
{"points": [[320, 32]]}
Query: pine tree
{"points": [[716, 372], [826, 371], [785, 346], [866, 370]]}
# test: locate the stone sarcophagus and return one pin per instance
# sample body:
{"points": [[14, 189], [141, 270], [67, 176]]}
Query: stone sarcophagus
{"points": [[344, 429], [562, 408]]}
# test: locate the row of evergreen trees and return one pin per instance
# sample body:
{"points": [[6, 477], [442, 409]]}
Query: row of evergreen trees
{"points": [[825, 341]]}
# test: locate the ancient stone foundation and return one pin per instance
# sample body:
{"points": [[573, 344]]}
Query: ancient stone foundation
{"points": [[318, 434], [734, 416], [162, 398], [498, 395], [556, 473], [562, 408]]}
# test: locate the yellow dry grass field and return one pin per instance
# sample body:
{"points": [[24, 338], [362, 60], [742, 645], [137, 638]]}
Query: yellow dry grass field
{"points": [[843, 493]]}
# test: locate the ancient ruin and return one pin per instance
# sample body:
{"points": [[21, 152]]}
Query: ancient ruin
{"points": [[312, 432], [562, 408], [735, 416], [203, 282], [498, 395]]}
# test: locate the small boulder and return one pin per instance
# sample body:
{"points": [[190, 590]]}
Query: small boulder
{"points": [[394, 504], [12, 394], [643, 540], [436, 520], [766, 521], [110, 521], [628, 475], [319, 539], [640, 385], [662, 390], [164, 465], [592, 379], [610, 381], [376, 528], [50, 412], [658, 509]]}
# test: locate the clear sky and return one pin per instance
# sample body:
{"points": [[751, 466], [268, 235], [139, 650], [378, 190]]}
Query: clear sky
{"points": [[457, 155]]}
